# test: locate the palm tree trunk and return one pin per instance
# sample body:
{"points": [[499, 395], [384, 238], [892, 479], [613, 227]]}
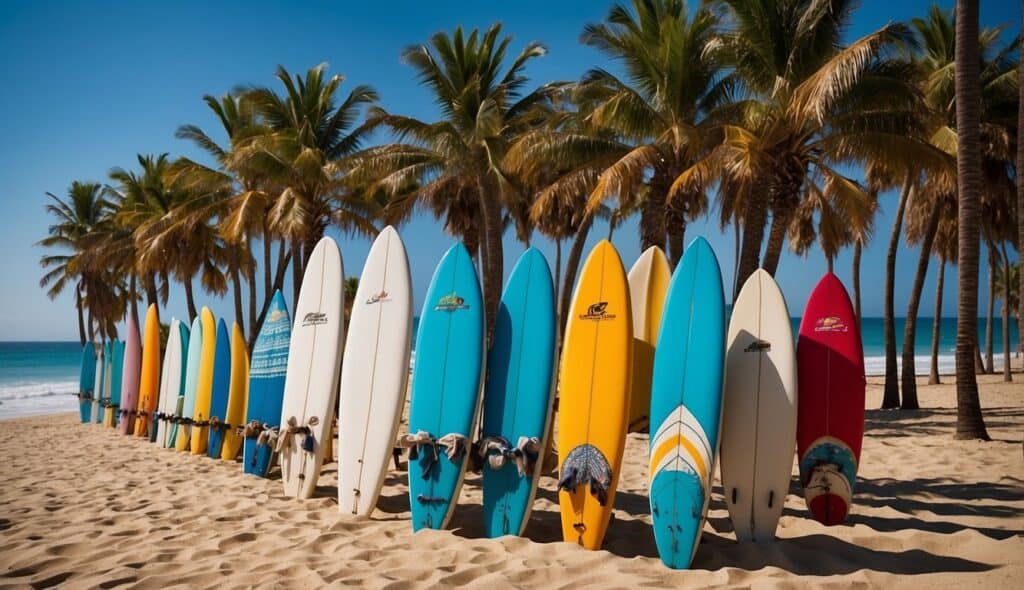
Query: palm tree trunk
{"points": [[652, 214], [493, 271], [891, 396], [190, 300], [133, 289], [558, 268], [992, 262], [675, 229], [735, 255], [296, 271], [781, 218], [90, 327], [829, 263], [236, 283], [251, 332], [933, 374], [1007, 376], [268, 279], [81, 315], [572, 265], [909, 380], [1020, 192], [151, 296], [754, 219], [970, 424], [857, 247]]}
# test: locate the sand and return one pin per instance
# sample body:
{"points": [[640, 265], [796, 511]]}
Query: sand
{"points": [[84, 507]]}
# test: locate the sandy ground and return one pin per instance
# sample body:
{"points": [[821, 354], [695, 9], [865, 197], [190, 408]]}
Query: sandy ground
{"points": [[84, 507]]}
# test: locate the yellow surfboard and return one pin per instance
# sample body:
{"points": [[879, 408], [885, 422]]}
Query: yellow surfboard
{"points": [[648, 285], [149, 379], [594, 386], [204, 389], [238, 394]]}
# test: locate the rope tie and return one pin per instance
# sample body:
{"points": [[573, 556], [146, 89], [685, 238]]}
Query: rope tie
{"points": [[498, 451], [287, 436], [216, 424], [454, 443]]}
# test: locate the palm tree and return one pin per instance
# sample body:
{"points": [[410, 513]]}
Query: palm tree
{"points": [[945, 249], [1007, 276], [305, 152], [1020, 184], [970, 423], [658, 114], [76, 216], [813, 105], [834, 216], [458, 158]]}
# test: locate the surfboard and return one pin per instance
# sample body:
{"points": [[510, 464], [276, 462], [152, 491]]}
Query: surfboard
{"points": [[759, 422], [238, 394], [181, 430], [171, 381], [96, 408], [594, 384], [311, 382], [220, 390], [445, 389], [517, 395], [648, 284], [130, 376], [375, 374], [686, 404], [112, 413], [830, 423], [108, 367], [86, 381], [149, 380], [266, 387], [204, 386]]}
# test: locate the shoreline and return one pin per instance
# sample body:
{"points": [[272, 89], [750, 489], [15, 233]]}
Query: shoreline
{"points": [[928, 511]]}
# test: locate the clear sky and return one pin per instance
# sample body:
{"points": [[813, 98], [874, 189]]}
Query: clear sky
{"points": [[87, 85]]}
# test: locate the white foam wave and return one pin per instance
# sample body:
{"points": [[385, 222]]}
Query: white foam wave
{"points": [[27, 390], [875, 365]]}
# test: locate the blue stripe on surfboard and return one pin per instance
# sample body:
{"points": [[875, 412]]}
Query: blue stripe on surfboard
{"points": [[266, 382], [445, 381], [221, 385], [688, 370], [518, 390]]}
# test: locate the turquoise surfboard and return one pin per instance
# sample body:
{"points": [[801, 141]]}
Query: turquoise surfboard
{"points": [[116, 375], [686, 404], [517, 396], [188, 399], [86, 381], [97, 394], [445, 388], [221, 386], [267, 370]]}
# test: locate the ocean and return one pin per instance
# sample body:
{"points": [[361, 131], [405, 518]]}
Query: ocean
{"points": [[42, 377]]}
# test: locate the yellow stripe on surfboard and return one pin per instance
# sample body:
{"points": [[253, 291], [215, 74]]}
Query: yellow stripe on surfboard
{"points": [[238, 394], [204, 389]]}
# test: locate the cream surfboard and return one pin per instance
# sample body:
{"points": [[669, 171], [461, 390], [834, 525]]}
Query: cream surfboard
{"points": [[375, 374], [594, 385], [759, 409], [171, 380], [648, 285], [311, 383]]}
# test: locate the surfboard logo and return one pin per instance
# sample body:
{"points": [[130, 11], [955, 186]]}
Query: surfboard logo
{"points": [[451, 302], [830, 324], [314, 318], [378, 298], [276, 315], [597, 312]]}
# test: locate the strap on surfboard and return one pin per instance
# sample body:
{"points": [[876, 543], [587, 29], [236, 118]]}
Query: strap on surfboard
{"points": [[497, 451], [587, 465], [455, 445]]}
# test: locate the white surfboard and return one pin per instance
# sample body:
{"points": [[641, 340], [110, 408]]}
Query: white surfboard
{"points": [[311, 382], [170, 383], [759, 421], [375, 374], [648, 286], [96, 409]]}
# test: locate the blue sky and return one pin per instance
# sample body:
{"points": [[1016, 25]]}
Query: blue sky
{"points": [[87, 85]]}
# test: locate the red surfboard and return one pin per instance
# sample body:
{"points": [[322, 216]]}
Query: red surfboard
{"points": [[830, 411]]}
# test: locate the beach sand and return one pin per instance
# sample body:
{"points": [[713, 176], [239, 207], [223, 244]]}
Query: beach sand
{"points": [[83, 506]]}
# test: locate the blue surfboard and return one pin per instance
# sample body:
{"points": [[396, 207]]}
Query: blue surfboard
{"points": [[86, 381], [266, 385], [221, 387], [188, 396], [686, 404], [116, 375], [517, 396], [445, 388]]}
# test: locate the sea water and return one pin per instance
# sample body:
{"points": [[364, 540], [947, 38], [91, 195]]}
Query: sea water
{"points": [[38, 377], [42, 377]]}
